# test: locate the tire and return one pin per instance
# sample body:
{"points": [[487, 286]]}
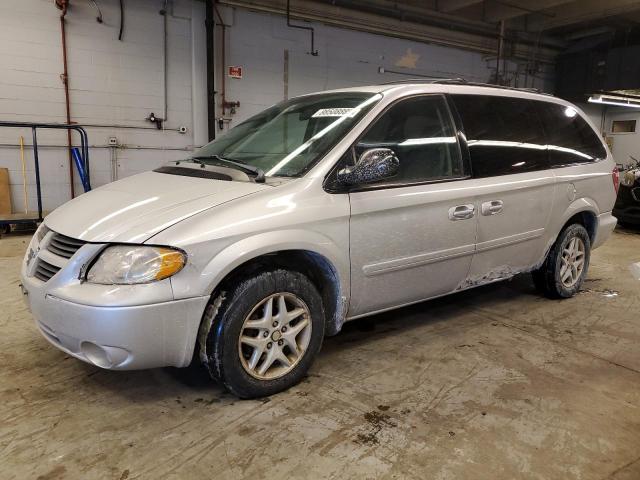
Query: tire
{"points": [[552, 278], [231, 361]]}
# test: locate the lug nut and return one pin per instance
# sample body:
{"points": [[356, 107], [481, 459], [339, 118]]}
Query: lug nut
{"points": [[265, 334], [280, 342], [269, 345], [284, 329], [275, 324]]}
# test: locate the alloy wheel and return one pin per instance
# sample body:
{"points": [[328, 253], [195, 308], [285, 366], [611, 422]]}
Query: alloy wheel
{"points": [[573, 257], [275, 336]]}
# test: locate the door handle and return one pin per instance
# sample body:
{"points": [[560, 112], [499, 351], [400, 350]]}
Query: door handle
{"points": [[491, 208], [462, 212]]}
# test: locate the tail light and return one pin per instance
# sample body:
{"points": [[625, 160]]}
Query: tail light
{"points": [[615, 175]]}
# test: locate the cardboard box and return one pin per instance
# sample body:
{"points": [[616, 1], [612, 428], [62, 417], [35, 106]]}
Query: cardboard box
{"points": [[5, 192]]}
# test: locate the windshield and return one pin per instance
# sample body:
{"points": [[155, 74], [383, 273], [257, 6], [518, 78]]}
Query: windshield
{"points": [[288, 138]]}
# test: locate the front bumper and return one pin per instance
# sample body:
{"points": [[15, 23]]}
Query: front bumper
{"points": [[121, 338], [119, 327]]}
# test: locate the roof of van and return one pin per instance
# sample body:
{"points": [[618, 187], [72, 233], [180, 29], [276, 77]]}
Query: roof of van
{"points": [[455, 85]]}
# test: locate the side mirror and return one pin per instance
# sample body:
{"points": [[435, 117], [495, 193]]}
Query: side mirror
{"points": [[373, 165]]}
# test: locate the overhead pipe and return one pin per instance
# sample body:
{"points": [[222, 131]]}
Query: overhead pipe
{"points": [[121, 19], [211, 79], [97, 7], [63, 5], [153, 118], [332, 16], [164, 14], [313, 51], [223, 47], [500, 53]]}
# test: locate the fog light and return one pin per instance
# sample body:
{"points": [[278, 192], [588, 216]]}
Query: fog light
{"points": [[103, 356]]}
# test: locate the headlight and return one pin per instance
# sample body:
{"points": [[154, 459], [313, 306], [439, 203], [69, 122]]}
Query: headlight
{"points": [[130, 264]]}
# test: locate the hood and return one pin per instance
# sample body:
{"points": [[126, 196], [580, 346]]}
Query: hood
{"points": [[136, 208]]}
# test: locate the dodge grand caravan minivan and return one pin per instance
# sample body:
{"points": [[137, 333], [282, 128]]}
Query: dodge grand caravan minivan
{"points": [[321, 209]]}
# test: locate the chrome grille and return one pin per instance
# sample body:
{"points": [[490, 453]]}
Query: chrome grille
{"points": [[64, 246], [44, 270]]}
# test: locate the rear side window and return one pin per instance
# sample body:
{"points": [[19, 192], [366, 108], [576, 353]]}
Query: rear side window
{"points": [[570, 138], [420, 132], [504, 134]]}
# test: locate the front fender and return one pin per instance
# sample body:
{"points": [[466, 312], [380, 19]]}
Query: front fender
{"points": [[240, 252]]}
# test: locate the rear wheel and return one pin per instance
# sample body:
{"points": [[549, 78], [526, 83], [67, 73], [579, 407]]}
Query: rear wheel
{"points": [[264, 333], [565, 268]]}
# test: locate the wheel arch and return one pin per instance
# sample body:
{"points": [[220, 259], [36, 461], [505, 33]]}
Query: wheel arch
{"points": [[312, 254], [583, 211]]}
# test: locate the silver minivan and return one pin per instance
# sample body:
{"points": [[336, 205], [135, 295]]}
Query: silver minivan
{"points": [[321, 209]]}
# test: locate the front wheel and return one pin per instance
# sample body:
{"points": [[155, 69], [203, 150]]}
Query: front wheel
{"points": [[264, 333], [565, 268]]}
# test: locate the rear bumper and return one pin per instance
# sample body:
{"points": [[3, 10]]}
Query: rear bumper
{"points": [[606, 223], [120, 338]]}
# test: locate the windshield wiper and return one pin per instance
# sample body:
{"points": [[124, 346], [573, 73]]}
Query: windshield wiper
{"points": [[258, 172]]}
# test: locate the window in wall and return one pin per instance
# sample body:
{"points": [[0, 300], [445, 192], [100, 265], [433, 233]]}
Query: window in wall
{"points": [[504, 134], [571, 139], [623, 126], [419, 130]]}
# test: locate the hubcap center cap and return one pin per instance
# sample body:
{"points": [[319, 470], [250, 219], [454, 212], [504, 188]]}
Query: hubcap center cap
{"points": [[275, 336]]}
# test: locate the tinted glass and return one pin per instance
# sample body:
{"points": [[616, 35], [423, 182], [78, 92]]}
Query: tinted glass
{"points": [[570, 138], [504, 134], [419, 130]]}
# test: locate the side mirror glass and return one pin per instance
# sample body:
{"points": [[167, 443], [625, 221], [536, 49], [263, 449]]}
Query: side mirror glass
{"points": [[373, 165]]}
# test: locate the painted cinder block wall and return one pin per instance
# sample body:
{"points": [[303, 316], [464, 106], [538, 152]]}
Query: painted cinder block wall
{"points": [[257, 42], [120, 83], [111, 82], [625, 145]]}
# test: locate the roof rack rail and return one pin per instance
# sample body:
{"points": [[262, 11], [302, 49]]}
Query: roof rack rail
{"points": [[462, 81], [424, 80]]}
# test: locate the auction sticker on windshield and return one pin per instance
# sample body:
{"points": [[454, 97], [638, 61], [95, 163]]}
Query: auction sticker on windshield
{"points": [[333, 112]]}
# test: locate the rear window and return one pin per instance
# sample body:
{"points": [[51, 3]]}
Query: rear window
{"points": [[571, 139], [504, 134]]}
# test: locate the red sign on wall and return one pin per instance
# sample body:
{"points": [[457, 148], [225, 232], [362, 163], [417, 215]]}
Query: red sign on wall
{"points": [[235, 72]]}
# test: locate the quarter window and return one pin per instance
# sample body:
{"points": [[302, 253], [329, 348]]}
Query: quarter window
{"points": [[504, 134], [420, 132], [570, 138]]}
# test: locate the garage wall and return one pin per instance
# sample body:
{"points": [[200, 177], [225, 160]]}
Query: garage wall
{"points": [[111, 82], [624, 144], [258, 41], [117, 84]]}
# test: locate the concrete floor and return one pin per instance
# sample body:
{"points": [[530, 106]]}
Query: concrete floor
{"points": [[494, 383]]}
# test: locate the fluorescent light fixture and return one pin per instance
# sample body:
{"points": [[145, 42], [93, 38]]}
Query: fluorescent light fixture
{"points": [[617, 101]]}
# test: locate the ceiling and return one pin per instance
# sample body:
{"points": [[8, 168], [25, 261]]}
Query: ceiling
{"points": [[552, 24], [557, 17], [562, 20]]}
